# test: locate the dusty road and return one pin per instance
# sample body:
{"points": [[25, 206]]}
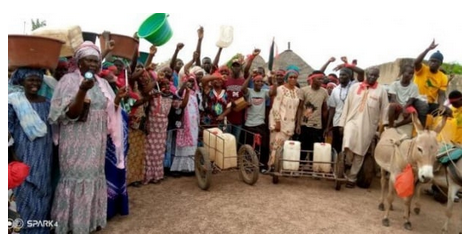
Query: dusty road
{"points": [[295, 205]]}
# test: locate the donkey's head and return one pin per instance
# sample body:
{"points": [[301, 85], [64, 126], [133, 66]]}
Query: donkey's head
{"points": [[425, 149]]}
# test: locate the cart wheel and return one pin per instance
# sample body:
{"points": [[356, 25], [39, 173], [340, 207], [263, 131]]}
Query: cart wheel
{"points": [[339, 170], [248, 164], [367, 172], [203, 168], [277, 167]]}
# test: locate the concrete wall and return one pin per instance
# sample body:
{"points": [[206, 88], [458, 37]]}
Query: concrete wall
{"points": [[389, 72]]}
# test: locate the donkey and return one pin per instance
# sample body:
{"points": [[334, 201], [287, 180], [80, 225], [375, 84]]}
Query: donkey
{"points": [[446, 177], [394, 152]]}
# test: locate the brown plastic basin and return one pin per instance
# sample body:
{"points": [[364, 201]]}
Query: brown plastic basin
{"points": [[33, 51], [124, 46]]}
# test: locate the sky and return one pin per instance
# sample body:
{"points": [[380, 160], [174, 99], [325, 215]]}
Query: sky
{"points": [[380, 32]]}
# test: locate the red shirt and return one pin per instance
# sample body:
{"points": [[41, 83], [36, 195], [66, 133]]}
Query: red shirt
{"points": [[233, 87]]}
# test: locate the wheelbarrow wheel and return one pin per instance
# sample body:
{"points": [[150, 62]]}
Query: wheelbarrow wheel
{"points": [[203, 168], [367, 172], [339, 170], [277, 165], [248, 164]]}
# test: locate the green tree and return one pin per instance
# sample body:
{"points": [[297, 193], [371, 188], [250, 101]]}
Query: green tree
{"points": [[37, 24], [452, 68]]}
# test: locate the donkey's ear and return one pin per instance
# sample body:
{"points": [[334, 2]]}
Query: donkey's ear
{"points": [[440, 126], [417, 124]]}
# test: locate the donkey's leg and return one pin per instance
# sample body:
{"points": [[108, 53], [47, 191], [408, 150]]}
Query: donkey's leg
{"points": [[417, 196], [383, 181], [389, 201], [407, 212], [452, 190]]}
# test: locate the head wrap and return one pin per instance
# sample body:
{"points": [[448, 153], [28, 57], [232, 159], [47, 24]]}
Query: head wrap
{"points": [[62, 63], [314, 76], [347, 71], [292, 69], [333, 78], [223, 67], [331, 85], [107, 64], [258, 78], [19, 75], [281, 72], [196, 70], [87, 48], [121, 60], [112, 68], [438, 56], [454, 96]]}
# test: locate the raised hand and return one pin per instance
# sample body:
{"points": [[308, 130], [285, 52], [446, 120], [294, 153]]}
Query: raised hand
{"points": [[344, 59], [153, 50], [110, 45], [106, 35], [179, 46], [135, 36], [432, 45], [340, 66], [256, 52], [200, 32], [332, 59]]}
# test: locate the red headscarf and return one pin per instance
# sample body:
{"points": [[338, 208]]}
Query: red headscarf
{"points": [[258, 78], [17, 173], [314, 76]]}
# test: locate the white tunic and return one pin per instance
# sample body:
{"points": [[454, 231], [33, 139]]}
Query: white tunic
{"points": [[361, 116]]}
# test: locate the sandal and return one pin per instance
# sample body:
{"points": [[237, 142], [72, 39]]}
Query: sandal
{"points": [[350, 184], [136, 184]]}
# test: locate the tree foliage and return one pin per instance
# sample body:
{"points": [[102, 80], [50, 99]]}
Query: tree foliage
{"points": [[37, 24], [452, 68]]}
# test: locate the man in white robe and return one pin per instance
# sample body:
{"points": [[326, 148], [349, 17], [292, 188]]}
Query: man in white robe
{"points": [[364, 109]]}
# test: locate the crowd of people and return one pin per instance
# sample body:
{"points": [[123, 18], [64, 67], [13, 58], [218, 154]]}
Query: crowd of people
{"points": [[85, 138]]}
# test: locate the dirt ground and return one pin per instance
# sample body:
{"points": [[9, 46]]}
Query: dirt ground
{"points": [[295, 205]]}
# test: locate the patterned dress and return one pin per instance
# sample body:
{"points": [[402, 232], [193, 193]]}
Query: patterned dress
{"points": [[174, 124], [186, 139], [137, 142], [117, 201], [157, 137], [285, 106], [80, 204], [216, 105], [33, 197]]}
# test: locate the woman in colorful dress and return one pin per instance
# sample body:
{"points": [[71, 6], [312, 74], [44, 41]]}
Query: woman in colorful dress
{"points": [[217, 107], [159, 108], [137, 131], [186, 139], [282, 117], [80, 204], [117, 194], [27, 122]]}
